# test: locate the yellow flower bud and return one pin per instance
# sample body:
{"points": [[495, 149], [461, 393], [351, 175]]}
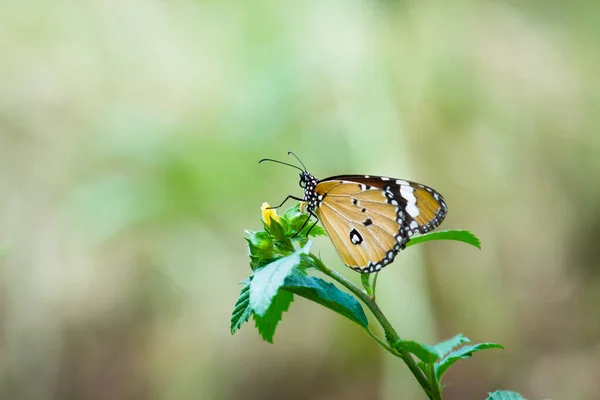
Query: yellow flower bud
{"points": [[269, 214]]}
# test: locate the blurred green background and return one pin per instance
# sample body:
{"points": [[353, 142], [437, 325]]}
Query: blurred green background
{"points": [[129, 139]]}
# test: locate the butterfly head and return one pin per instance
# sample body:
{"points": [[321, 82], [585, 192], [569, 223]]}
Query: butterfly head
{"points": [[307, 182]]}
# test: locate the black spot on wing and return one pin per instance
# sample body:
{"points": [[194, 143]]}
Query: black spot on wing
{"points": [[355, 237]]}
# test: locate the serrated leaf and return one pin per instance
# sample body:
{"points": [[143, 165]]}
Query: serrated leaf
{"points": [[241, 310], [328, 295], [267, 323], [267, 280], [446, 346], [464, 352], [425, 353], [461, 236], [505, 395]]}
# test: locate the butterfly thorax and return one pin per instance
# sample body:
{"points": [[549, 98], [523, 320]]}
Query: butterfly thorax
{"points": [[309, 183]]}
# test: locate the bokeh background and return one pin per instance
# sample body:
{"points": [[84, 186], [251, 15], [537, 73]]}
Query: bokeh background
{"points": [[129, 138]]}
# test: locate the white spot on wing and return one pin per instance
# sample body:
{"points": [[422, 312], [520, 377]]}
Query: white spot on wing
{"points": [[411, 206], [407, 193], [414, 225], [412, 209]]}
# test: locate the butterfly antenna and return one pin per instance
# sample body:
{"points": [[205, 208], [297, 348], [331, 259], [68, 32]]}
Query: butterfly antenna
{"points": [[297, 158], [280, 162]]}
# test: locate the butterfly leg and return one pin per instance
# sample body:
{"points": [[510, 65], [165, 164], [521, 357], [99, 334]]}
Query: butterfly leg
{"points": [[311, 213], [286, 199], [313, 225]]}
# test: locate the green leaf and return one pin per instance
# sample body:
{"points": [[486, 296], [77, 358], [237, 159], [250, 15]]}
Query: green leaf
{"points": [[241, 310], [276, 229], [267, 323], [293, 213], [464, 352], [297, 220], [446, 346], [424, 367], [259, 242], [268, 279], [314, 232], [461, 236], [505, 395], [427, 354], [430, 354], [260, 248], [285, 246], [259, 262], [305, 262], [365, 280], [328, 295]]}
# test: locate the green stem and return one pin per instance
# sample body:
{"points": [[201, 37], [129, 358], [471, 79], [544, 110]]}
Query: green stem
{"points": [[390, 333], [364, 278], [436, 390], [381, 342], [375, 285]]}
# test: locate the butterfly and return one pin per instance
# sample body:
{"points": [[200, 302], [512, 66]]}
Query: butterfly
{"points": [[369, 219]]}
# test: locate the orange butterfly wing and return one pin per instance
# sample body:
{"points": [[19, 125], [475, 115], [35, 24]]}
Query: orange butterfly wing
{"points": [[370, 219]]}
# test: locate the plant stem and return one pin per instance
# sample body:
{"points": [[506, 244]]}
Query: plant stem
{"points": [[364, 278], [390, 333], [374, 285], [381, 342], [435, 386]]}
